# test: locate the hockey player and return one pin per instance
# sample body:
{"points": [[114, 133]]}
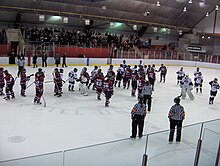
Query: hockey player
{"points": [[127, 77], [134, 79], [111, 74], [186, 86], [92, 81], [197, 71], [23, 81], [39, 83], [124, 64], [84, 73], [108, 90], [62, 81], [9, 85], [146, 94], [141, 83], [180, 75], [135, 68], [141, 72], [163, 72], [213, 92], [151, 77], [120, 73], [198, 82], [83, 84], [57, 83], [99, 81], [72, 79], [2, 81]]}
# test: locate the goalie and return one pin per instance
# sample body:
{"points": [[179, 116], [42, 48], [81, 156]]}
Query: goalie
{"points": [[186, 86]]}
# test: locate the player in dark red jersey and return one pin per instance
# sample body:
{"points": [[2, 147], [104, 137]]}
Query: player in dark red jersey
{"points": [[9, 85], [151, 77], [99, 81], [108, 90], [2, 81], [39, 84], [23, 81], [58, 82]]}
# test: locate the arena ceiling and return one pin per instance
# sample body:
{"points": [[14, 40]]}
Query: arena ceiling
{"points": [[169, 13]]}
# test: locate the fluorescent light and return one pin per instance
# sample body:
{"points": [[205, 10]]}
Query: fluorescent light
{"points": [[158, 4], [41, 17], [209, 37], [203, 37], [184, 9], [135, 27], [65, 20], [112, 23], [216, 7], [190, 1], [87, 21], [207, 14]]}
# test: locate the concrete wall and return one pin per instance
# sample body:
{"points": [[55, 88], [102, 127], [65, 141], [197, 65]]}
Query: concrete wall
{"points": [[103, 61]]}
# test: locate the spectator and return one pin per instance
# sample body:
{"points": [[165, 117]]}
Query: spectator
{"points": [[57, 59], [44, 59], [64, 60], [35, 60]]}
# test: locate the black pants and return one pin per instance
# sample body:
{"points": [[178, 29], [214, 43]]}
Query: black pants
{"points": [[64, 64], [147, 99], [44, 62], [20, 68], [173, 124], [162, 77], [137, 121]]}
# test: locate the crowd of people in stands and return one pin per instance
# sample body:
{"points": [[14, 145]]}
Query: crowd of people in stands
{"points": [[88, 38]]}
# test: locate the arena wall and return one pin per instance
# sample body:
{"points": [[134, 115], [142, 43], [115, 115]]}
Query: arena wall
{"points": [[104, 61]]}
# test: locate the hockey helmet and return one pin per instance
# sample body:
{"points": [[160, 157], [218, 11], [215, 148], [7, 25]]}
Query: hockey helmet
{"points": [[6, 71], [181, 68], [129, 66], [99, 70], [39, 69], [85, 69], [111, 66], [177, 100], [187, 76], [56, 69], [95, 67], [216, 79], [24, 70], [1, 69], [75, 69], [121, 65], [61, 70], [199, 73], [197, 68], [135, 66]]}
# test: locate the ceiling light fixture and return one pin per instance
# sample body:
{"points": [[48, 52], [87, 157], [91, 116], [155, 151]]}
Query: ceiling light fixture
{"points": [[209, 37], [158, 4], [216, 7], [190, 1], [207, 14], [184, 9], [203, 37]]}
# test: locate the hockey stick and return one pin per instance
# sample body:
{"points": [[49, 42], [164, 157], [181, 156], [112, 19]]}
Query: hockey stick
{"points": [[45, 104], [30, 84]]}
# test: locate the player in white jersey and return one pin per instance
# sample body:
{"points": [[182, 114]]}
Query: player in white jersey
{"points": [[93, 74], [213, 92], [198, 82], [72, 79], [119, 76], [61, 76], [196, 72], [180, 75], [186, 86]]}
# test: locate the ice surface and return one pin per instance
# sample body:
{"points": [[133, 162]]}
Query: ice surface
{"points": [[75, 120]]}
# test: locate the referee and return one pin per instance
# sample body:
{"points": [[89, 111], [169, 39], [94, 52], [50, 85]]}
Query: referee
{"points": [[176, 116], [138, 114]]}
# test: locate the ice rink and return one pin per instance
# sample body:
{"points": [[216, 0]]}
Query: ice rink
{"points": [[74, 120]]}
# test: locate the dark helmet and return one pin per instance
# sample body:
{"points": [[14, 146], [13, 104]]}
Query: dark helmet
{"points": [[85, 69], [95, 67], [161, 64], [61, 70], [197, 68], [75, 69], [215, 79], [153, 65], [135, 66], [6, 71], [177, 100], [39, 69], [121, 65], [99, 70], [145, 66], [1, 69], [24, 70], [124, 61], [129, 66], [111, 66]]}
